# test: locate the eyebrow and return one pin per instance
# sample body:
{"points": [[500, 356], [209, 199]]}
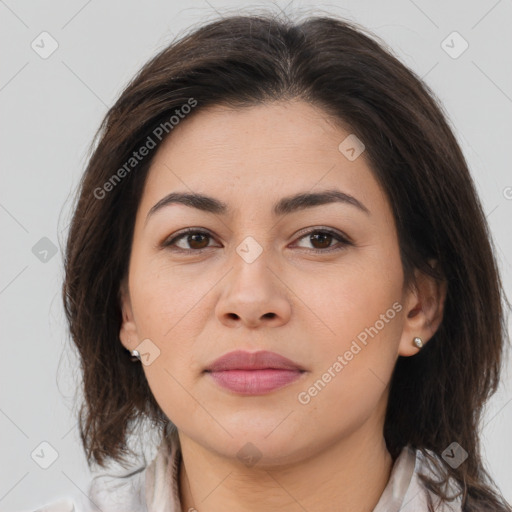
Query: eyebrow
{"points": [[284, 206]]}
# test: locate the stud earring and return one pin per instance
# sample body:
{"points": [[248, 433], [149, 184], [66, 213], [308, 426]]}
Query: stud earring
{"points": [[135, 355], [418, 342]]}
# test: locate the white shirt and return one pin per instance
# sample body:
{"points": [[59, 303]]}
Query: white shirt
{"points": [[148, 489]]}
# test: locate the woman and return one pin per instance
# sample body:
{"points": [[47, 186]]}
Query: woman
{"points": [[279, 226]]}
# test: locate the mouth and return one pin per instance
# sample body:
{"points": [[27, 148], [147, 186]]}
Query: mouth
{"points": [[254, 373]]}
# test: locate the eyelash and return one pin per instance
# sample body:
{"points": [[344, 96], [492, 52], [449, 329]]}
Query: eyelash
{"points": [[170, 242]]}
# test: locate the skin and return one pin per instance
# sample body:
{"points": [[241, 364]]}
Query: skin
{"points": [[328, 454]]}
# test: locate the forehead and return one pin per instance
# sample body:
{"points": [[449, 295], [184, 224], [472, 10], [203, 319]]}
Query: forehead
{"points": [[271, 127], [257, 153]]}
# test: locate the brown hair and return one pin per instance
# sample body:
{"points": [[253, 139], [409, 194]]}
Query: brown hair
{"points": [[437, 396]]}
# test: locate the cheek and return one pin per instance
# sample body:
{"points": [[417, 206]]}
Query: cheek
{"points": [[171, 309], [164, 298], [362, 320], [165, 314], [353, 295], [353, 368]]}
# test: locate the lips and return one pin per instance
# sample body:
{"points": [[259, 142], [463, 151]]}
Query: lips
{"points": [[254, 373]]}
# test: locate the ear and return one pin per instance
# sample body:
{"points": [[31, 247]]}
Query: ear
{"points": [[128, 331], [424, 307]]}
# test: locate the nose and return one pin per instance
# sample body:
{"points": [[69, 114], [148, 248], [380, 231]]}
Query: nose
{"points": [[253, 296]]}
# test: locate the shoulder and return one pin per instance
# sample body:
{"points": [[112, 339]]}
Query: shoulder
{"points": [[418, 496], [118, 492], [136, 489], [107, 493], [405, 490]]}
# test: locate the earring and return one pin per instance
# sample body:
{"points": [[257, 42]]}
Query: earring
{"points": [[418, 342], [135, 355]]}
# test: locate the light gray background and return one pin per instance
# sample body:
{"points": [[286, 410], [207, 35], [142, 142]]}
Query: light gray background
{"points": [[51, 109]]}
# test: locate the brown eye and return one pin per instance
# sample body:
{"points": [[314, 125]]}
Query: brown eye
{"points": [[321, 240], [196, 241]]}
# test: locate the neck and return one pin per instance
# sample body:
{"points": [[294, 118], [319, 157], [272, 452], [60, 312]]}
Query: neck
{"points": [[350, 474]]}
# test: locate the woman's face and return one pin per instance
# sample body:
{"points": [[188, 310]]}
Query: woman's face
{"points": [[253, 281]]}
